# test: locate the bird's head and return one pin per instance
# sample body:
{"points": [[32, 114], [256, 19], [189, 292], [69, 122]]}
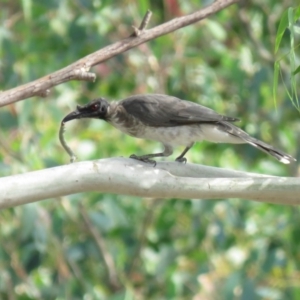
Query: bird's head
{"points": [[97, 108]]}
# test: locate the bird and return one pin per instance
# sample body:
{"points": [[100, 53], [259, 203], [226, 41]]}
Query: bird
{"points": [[172, 122]]}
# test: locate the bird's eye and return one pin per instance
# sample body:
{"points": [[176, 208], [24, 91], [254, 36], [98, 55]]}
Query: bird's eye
{"points": [[95, 107]]}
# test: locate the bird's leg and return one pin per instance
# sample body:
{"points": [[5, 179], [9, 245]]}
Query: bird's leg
{"points": [[147, 157], [181, 157]]}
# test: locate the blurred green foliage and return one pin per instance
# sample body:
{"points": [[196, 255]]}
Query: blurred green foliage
{"points": [[289, 20], [99, 246]]}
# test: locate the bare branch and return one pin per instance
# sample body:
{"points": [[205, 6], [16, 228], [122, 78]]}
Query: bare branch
{"points": [[166, 180], [79, 70], [43, 94], [107, 257]]}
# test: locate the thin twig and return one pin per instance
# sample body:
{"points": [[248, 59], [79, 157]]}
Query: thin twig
{"points": [[146, 20], [107, 257], [142, 234]]}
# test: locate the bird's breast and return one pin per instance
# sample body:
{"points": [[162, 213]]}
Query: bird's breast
{"points": [[126, 123], [174, 136]]}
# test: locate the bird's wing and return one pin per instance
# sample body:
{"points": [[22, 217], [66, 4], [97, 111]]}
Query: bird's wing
{"points": [[161, 110]]}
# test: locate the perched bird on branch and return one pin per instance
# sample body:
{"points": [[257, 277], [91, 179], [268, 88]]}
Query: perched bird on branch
{"points": [[171, 121]]}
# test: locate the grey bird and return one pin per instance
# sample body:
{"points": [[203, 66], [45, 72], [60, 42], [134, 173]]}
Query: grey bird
{"points": [[171, 121]]}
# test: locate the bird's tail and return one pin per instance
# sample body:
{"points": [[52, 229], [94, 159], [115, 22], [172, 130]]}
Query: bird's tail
{"points": [[241, 134], [280, 155]]}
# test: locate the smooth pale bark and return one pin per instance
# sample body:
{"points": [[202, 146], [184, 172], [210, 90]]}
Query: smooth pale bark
{"points": [[130, 177]]}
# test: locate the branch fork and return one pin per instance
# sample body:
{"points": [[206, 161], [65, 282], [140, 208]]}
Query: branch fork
{"points": [[138, 31]]}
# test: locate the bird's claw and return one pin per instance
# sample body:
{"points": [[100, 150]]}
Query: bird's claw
{"points": [[143, 159], [181, 160]]}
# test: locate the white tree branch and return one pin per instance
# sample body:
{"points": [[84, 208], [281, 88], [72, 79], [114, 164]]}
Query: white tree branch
{"points": [[130, 177]]}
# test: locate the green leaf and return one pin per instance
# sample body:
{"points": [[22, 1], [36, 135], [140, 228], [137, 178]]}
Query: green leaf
{"points": [[289, 17], [294, 94], [297, 70], [291, 28], [281, 29], [296, 13], [275, 81]]}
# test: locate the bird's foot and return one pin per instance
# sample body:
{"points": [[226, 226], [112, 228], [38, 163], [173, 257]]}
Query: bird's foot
{"points": [[181, 159], [143, 159]]}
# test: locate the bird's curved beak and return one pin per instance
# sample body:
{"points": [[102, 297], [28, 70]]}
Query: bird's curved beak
{"points": [[72, 116]]}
